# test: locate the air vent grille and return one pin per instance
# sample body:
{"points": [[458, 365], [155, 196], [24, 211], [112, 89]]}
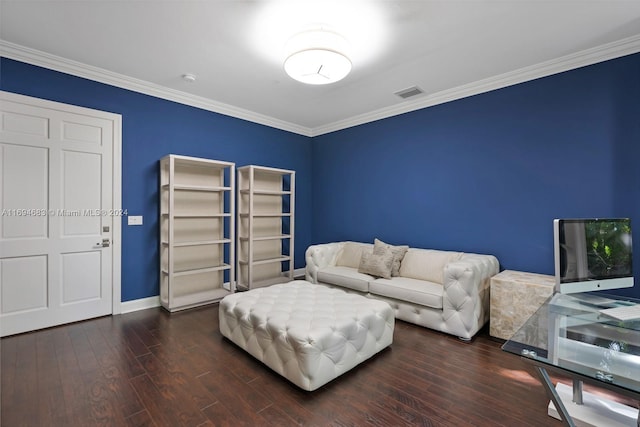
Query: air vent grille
{"points": [[409, 92]]}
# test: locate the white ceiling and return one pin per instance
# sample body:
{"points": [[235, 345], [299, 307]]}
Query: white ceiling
{"points": [[450, 49]]}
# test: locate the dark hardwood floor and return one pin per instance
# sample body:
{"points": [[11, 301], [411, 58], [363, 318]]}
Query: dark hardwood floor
{"points": [[155, 368]]}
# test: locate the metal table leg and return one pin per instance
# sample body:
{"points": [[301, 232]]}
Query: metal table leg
{"points": [[577, 392], [553, 395]]}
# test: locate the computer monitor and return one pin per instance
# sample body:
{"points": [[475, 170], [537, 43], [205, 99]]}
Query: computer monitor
{"points": [[592, 254]]}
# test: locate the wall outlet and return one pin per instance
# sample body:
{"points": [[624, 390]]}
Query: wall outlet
{"points": [[134, 220]]}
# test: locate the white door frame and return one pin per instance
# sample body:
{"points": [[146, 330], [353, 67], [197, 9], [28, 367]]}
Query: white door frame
{"points": [[116, 236]]}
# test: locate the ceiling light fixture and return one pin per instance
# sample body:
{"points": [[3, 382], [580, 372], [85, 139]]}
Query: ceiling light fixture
{"points": [[317, 57]]}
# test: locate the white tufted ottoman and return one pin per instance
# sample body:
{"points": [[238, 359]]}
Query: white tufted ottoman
{"points": [[309, 334]]}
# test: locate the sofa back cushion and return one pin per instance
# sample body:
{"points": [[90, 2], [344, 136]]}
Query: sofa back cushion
{"points": [[351, 254], [427, 264]]}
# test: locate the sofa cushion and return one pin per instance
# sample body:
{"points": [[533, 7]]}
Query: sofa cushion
{"points": [[350, 254], [427, 264], [377, 264], [416, 291], [346, 277], [398, 254]]}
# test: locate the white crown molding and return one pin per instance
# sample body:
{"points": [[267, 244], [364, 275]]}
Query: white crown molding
{"points": [[56, 63], [584, 58]]}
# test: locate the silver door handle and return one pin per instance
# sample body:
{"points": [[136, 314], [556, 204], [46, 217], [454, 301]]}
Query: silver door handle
{"points": [[105, 243]]}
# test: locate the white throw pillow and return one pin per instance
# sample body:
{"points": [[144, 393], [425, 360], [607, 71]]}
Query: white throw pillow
{"points": [[350, 255], [377, 264], [398, 254], [427, 264]]}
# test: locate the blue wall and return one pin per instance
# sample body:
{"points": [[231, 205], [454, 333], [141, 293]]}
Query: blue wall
{"points": [[482, 174], [489, 173], [152, 128]]}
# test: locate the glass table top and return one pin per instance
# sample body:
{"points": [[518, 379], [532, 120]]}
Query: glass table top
{"points": [[568, 332]]}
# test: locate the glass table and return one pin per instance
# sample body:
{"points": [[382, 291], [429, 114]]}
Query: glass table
{"points": [[569, 335]]}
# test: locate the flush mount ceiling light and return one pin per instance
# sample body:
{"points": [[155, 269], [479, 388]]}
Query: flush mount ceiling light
{"points": [[317, 57]]}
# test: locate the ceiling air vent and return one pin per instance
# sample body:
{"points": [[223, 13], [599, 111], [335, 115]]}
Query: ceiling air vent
{"points": [[409, 92]]}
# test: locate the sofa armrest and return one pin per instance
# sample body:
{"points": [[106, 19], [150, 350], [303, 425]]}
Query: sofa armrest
{"points": [[466, 293], [320, 256]]}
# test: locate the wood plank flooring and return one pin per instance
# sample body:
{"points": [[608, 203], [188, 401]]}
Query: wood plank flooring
{"points": [[151, 368]]}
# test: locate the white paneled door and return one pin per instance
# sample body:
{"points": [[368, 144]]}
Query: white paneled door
{"points": [[58, 213]]}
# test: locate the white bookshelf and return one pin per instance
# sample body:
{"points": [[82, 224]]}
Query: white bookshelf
{"points": [[266, 216], [197, 223]]}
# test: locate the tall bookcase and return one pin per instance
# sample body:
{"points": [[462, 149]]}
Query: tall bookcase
{"points": [[266, 215], [197, 223]]}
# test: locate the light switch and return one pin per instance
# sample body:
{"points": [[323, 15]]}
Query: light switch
{"points": [[134, 220]]}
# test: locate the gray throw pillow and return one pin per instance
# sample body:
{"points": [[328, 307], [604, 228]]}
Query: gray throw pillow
{"points": [[376, 264], [398, 254]]}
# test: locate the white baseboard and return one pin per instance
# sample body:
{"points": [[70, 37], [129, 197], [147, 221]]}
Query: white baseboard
{"points": [[140, 304], [152, 302]]}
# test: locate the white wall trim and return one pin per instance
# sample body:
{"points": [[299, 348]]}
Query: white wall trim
{"points": [[116, 233], [584, 58], [140, 304], [57, 63]]}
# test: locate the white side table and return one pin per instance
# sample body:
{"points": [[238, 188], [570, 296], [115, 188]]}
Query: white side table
{"points": [[515, 296]]}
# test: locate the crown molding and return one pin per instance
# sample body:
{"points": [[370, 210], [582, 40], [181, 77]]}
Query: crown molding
{"points": [[78, 69], [584, 58]]}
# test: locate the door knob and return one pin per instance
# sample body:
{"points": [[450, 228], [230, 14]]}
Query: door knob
{"points": [[105, 243]]}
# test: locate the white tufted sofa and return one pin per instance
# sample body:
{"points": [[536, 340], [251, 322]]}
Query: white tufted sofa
{"points": [[308, 334], [442, 290]]}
